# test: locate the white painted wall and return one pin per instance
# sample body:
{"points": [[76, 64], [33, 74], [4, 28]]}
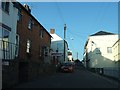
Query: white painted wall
{"points": [[116, 51], [104, 59], [70, 57], [11, 21], [0, 53], [114, 71], [57, 43]]}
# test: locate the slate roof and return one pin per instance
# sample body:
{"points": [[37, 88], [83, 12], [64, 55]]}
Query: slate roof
{"points": [[102, 33], [55, 37]]}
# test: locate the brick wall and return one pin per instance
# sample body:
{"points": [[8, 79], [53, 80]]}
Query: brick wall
{"points": [[33, 35], [31, 65]]}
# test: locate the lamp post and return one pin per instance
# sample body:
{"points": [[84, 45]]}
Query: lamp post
{"points": [[64, 40], [77, 55]]}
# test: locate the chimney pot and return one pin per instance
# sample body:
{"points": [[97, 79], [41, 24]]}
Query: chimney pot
{"points": [[27, 8], [52, 31]]}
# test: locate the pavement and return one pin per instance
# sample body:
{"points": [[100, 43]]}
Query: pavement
{"points": [[80, 78]]}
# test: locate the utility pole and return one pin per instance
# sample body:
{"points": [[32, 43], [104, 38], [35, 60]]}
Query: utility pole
{"points": [[77, 55], [64, 39]]}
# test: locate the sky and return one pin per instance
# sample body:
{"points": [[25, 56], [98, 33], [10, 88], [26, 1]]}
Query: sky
{"points": [[81, 18]]}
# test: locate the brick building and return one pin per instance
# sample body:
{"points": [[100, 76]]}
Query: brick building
{"points": [[34, 45]]}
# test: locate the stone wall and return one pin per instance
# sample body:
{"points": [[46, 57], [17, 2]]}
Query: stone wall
{"points": [[112, 72], [10, 74], [19, 72], [36, 70]]}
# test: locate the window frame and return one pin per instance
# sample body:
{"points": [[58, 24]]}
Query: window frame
{"points": [[46, 51], [5, 45], [5, 6], [28, 46], [30, 24], [109, 50], [41, 33], [3, 31]]}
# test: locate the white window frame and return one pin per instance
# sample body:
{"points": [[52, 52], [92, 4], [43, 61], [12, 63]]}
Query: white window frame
{"points": [[28, 46], [3, 29], [30, 24], [109, 49]]}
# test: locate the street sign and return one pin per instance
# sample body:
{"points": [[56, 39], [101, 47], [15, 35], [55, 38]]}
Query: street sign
{"points": [[56, 54]]}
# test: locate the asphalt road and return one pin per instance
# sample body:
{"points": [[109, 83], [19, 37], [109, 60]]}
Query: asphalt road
{"points": [[80, 78]]}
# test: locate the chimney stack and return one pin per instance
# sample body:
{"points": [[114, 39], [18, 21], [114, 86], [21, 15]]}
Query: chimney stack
{"points": [[27, 8], [52, 31]]}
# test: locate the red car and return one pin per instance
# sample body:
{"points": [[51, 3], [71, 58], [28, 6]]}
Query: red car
{"points": [[67, 68]]}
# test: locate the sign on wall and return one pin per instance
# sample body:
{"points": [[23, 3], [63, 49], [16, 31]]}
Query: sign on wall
{"points": [[56, 54], [5, 63]]}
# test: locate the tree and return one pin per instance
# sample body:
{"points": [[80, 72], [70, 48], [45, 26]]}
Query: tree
{"points": [[77, 61]]}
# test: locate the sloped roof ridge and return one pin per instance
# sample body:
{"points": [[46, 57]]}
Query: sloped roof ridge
{"points": [[56, 37], [102, 33]]}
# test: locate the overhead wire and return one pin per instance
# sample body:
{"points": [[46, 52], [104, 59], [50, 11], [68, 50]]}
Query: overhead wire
{"points": [[101, 15], [60, 13], [64, 22]]}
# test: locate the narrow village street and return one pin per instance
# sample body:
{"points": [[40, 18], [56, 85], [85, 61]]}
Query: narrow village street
{"points": [[80, 78], [40, 42]]}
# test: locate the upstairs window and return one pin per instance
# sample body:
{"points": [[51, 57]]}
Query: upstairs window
{"points": [[6, 35], [5, 6], [41, 33], [46, 51], [109, 50], [5, 39], [28, 46], [30, 24]]}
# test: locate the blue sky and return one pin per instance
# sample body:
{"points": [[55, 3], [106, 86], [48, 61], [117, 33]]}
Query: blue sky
{"points": [[82, 19]]}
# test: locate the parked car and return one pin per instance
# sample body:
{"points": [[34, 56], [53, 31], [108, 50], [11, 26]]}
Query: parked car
{"points": [[67, 67], [58, 67]]}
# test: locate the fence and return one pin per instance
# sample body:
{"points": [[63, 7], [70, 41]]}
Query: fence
{"points": [[8, 53], [112, 72], [8, 50]]}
